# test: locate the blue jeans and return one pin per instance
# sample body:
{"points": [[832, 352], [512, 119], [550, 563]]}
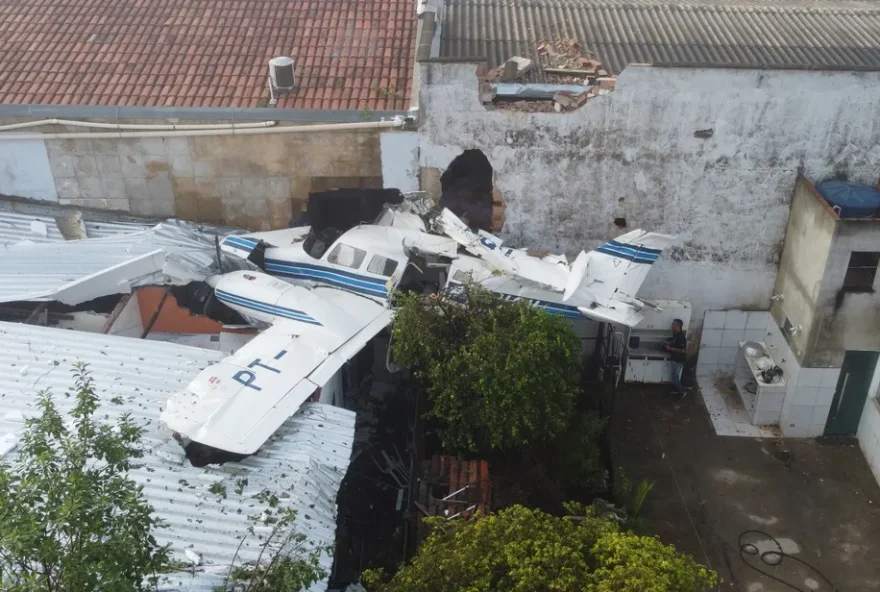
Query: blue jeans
{"points": [[677, 368]]}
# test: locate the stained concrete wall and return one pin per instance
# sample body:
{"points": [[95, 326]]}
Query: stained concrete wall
{"points": [[256, 181], [846, 320], [632, 153], [808, 239]]}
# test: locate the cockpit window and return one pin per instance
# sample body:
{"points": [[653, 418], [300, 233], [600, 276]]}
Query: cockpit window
{"points": [[382, 265], [347, 256], [459, 276]]}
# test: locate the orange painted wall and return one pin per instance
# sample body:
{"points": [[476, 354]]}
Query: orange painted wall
{"points": [[172, 319]]}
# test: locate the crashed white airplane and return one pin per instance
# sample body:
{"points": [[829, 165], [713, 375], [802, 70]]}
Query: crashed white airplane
{"points": [[335, 297]]}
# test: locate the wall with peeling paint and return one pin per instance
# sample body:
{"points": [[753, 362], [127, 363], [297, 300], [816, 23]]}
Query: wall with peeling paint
{"points": [[633, 154]]}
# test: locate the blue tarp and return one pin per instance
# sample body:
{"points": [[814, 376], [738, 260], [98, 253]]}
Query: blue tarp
{"points": [[852, 199]]}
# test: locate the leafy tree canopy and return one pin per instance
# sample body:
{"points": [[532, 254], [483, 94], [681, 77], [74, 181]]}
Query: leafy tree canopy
{"points": [[524, 550], [499, 374], [70, 518]]}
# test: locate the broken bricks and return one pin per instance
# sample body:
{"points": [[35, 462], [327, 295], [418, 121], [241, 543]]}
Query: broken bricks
{"points": [[564, 98], [514, 68]]}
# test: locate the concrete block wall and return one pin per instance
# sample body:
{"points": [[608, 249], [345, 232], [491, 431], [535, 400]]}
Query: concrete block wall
{"points": [[254, 181]]}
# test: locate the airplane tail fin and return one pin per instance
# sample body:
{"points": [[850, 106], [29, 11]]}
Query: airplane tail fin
{"points": [[611, 275]]}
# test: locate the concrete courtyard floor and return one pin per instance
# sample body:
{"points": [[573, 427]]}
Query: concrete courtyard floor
{"points": [[817, 502]]}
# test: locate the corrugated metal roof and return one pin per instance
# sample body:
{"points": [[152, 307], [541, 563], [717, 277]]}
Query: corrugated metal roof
{"points": [[829, 34], [20, 228], [30, 272], [303, 464]]}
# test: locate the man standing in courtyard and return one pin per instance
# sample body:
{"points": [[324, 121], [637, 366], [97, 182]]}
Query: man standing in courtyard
{"points": [[677, 346]]}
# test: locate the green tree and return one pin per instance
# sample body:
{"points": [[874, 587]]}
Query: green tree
{"points": [[524, 550], [70, 518], [291, 566], [499, 374]]}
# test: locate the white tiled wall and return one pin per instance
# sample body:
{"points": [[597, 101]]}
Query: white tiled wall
{"points": [[809, 391], [869, 427], [722, 332]]}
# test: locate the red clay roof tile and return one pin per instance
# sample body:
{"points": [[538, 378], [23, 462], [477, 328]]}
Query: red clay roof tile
{"points": [[350, 54]]}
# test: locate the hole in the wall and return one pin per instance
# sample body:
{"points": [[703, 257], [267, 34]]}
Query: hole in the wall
{"points": [[620, 222], [466, 189]]}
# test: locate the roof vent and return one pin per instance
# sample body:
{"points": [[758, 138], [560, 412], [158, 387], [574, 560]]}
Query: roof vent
{"points": [[281, 76]]}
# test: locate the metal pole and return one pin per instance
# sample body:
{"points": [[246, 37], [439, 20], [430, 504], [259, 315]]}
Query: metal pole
{"points": [[219, 259], [117, 310]]}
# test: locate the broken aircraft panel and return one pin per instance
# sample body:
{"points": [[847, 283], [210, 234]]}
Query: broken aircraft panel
{"points": [[331, 294]]}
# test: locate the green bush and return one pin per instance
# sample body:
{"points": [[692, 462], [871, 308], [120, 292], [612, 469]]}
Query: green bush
{"points": [[524, 550]]}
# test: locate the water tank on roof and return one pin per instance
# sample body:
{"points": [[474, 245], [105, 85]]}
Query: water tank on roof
{"points": [[281, 73], [851, 200]]}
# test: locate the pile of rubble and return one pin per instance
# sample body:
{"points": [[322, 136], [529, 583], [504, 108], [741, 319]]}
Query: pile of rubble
{"points": [[562, 63]]}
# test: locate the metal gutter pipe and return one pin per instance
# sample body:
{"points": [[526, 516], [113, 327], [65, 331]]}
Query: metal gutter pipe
{"points": [[397, 122], [135, 126]]}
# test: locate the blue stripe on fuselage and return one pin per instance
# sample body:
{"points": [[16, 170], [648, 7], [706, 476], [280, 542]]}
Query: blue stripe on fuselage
{"points": [[342, 279], [555, 308], [247, 244], [628, 253], [288, 313]]}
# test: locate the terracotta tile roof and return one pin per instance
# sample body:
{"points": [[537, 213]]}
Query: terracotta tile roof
{"points": [[351, 54]]}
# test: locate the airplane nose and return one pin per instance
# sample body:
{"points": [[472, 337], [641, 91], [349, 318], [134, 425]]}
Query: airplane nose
{"points": [[213, 280]]}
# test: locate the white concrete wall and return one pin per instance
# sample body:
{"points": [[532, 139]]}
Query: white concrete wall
{"points": [[400, 160], [25, 171], [869, 426], [632, 153]]}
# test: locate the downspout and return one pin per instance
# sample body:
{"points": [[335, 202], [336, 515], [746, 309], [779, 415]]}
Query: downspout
{"points": [[397, 122]]}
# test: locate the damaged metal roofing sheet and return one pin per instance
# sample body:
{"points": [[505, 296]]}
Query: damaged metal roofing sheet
{"points": [[16, 228], [784, 34], [38, 272], [208, 510]]}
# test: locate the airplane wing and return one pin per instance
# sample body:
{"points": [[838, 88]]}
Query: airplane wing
{"points": [[609, 277], [238, 404]]}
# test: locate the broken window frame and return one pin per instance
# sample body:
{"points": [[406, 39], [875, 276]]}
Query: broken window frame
{"points": [[358, 256], [386, 265], [861, 271]]}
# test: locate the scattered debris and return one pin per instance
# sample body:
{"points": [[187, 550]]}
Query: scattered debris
{"points": [[513, 69], [39, 228], [562, 62], [453, 488], [194, 557]]}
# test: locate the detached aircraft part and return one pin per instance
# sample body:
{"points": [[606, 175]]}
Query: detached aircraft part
{"points": [[237, 404], [324, 302]]}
